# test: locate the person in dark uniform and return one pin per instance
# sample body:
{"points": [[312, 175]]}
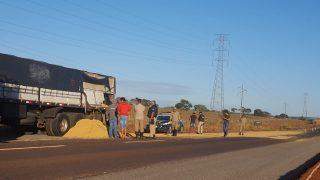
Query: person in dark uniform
{"points": [[193, 119], [152, 115], [201, 120]]}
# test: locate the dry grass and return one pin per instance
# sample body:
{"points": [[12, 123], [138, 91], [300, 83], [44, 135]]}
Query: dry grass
{"points": [[213, 123]]}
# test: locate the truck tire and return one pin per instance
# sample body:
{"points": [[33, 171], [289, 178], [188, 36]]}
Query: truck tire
{"points": [[48, 125], [77, 117], [61, 124]]}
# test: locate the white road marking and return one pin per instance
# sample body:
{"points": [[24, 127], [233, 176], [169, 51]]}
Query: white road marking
{"points": [[313, 171], [32, 147], [150, 141]]}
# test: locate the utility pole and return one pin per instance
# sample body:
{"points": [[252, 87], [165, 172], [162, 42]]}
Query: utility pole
{"points": [[221, 52], [305, 105], [285, 107], [242, 91]]}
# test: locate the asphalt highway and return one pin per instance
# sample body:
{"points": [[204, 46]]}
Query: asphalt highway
{"points": [[282, 161], [63, 159]]}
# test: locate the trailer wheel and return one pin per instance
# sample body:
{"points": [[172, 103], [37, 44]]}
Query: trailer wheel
{"points": [[61, 124], [78, 116]]}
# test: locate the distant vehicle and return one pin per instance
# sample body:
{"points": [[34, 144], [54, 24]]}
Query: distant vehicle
{"points": [[50, 97], [163, 123]]}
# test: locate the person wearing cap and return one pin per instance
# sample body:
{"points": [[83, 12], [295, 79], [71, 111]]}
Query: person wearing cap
{"points": [[225, 122], [139, 117], [242, 124], [152, 115], [112, 117]]}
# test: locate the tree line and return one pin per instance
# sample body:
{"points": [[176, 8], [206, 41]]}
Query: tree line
{"points": [[186, 105]]}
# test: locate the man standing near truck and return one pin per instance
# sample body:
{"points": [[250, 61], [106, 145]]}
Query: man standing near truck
{"points": [[139, 117], [152, 115], [124, 109], [112, 118]]}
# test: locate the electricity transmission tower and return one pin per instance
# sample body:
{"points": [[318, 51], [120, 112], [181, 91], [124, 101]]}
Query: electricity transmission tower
{"points": [[305, 105], [242, 92], [221, 53]]}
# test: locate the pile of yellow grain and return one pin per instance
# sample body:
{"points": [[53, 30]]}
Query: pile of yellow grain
{"points": [[88, 129]]}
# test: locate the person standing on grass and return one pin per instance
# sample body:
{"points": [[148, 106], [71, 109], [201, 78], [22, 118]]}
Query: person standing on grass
{"points": [[152, 115], [225, 122], [124, 109], [139, 118], [242, 124], [112, 117], [193, 119], [175, 121], [201, 120]]}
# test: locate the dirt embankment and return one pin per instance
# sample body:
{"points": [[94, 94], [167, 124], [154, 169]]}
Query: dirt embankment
{"points": [[254, 123]]}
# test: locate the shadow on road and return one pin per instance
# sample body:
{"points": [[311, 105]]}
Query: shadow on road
{"points": [[8, 134]]}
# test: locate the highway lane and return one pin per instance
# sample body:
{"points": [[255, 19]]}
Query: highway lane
{"points": [[83, 158], [281, 160]]}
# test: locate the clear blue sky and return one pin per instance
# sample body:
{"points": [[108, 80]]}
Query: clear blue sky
{"points": [[163, 49]]}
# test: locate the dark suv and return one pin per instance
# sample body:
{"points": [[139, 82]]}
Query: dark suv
{"points": [[163, 123]]}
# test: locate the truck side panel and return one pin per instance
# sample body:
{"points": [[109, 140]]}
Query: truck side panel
{"points": [[60, 97], [16, 92], [95, 93], [27, 93]]}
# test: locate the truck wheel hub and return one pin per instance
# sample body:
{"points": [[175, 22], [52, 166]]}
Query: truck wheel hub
{"points": [[63, 125]]}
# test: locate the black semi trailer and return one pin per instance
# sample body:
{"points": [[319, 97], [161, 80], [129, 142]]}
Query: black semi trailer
{"points": [[50, 97]]}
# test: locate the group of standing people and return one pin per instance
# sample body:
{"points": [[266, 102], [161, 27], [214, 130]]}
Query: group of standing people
{"points": [[140, 118], [226, 121], [225, 117], [119, 112], [201, 119]]}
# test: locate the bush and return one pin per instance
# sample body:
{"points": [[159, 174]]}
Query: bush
{"points": [[200, 107], [184, 104]]}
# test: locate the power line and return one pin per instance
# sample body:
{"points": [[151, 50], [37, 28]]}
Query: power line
{"points": [[98, 50], [169, 28], [91, 28], [121, 51], [243, 76], [259, 86], [113, 28], [150, 28], [37, 53], [44, 55]]}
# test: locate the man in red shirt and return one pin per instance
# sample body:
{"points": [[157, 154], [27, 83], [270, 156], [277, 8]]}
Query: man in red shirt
{"points": [[124, 109]]}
